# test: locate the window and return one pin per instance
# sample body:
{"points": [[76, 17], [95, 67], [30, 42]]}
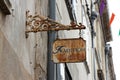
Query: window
{"points": [[5, 6], [67, 73], [69, 5]]}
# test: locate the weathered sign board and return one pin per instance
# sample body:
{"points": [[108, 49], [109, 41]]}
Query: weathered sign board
{"points": [[69, 50]]}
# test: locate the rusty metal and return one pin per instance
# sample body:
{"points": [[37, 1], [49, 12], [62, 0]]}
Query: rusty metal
{"points": [[39, 23], [69, 50]]}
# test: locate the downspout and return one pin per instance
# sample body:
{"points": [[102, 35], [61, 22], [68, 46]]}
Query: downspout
{"points": [[92, 17], [106, 63], [107, 47], [53, 70], [51, 37]]}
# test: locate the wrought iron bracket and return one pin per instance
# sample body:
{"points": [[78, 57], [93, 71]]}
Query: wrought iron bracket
{"points": [[38, 23]]}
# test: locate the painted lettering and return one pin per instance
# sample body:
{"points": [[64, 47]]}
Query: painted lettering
{"points": [[63, 49]]}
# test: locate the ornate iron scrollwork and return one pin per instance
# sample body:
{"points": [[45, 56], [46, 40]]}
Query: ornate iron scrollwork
{"points": [[39, 23]]}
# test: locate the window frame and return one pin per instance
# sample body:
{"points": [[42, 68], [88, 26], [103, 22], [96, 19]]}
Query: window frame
{"points": [[5, 6]]}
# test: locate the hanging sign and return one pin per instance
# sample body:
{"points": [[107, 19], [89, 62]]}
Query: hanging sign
{"points": [[69, 50]]}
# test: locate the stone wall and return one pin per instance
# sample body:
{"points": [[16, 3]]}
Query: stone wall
{"points": [[22, 58]]}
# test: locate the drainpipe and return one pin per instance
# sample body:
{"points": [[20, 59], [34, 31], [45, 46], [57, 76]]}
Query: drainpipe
{"points": [[107, 47], [53, 70], [51, 37], [92, 17]]}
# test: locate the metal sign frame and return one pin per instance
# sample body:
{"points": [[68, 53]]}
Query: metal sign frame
{"points": [[69, 50]]}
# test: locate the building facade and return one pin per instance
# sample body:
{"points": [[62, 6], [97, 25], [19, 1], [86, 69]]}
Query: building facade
{"points": [[28, 56], [96, 35], [22, 58]]}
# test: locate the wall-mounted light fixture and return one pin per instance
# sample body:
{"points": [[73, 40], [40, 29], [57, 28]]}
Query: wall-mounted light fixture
{"points": [[40, 23]]}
